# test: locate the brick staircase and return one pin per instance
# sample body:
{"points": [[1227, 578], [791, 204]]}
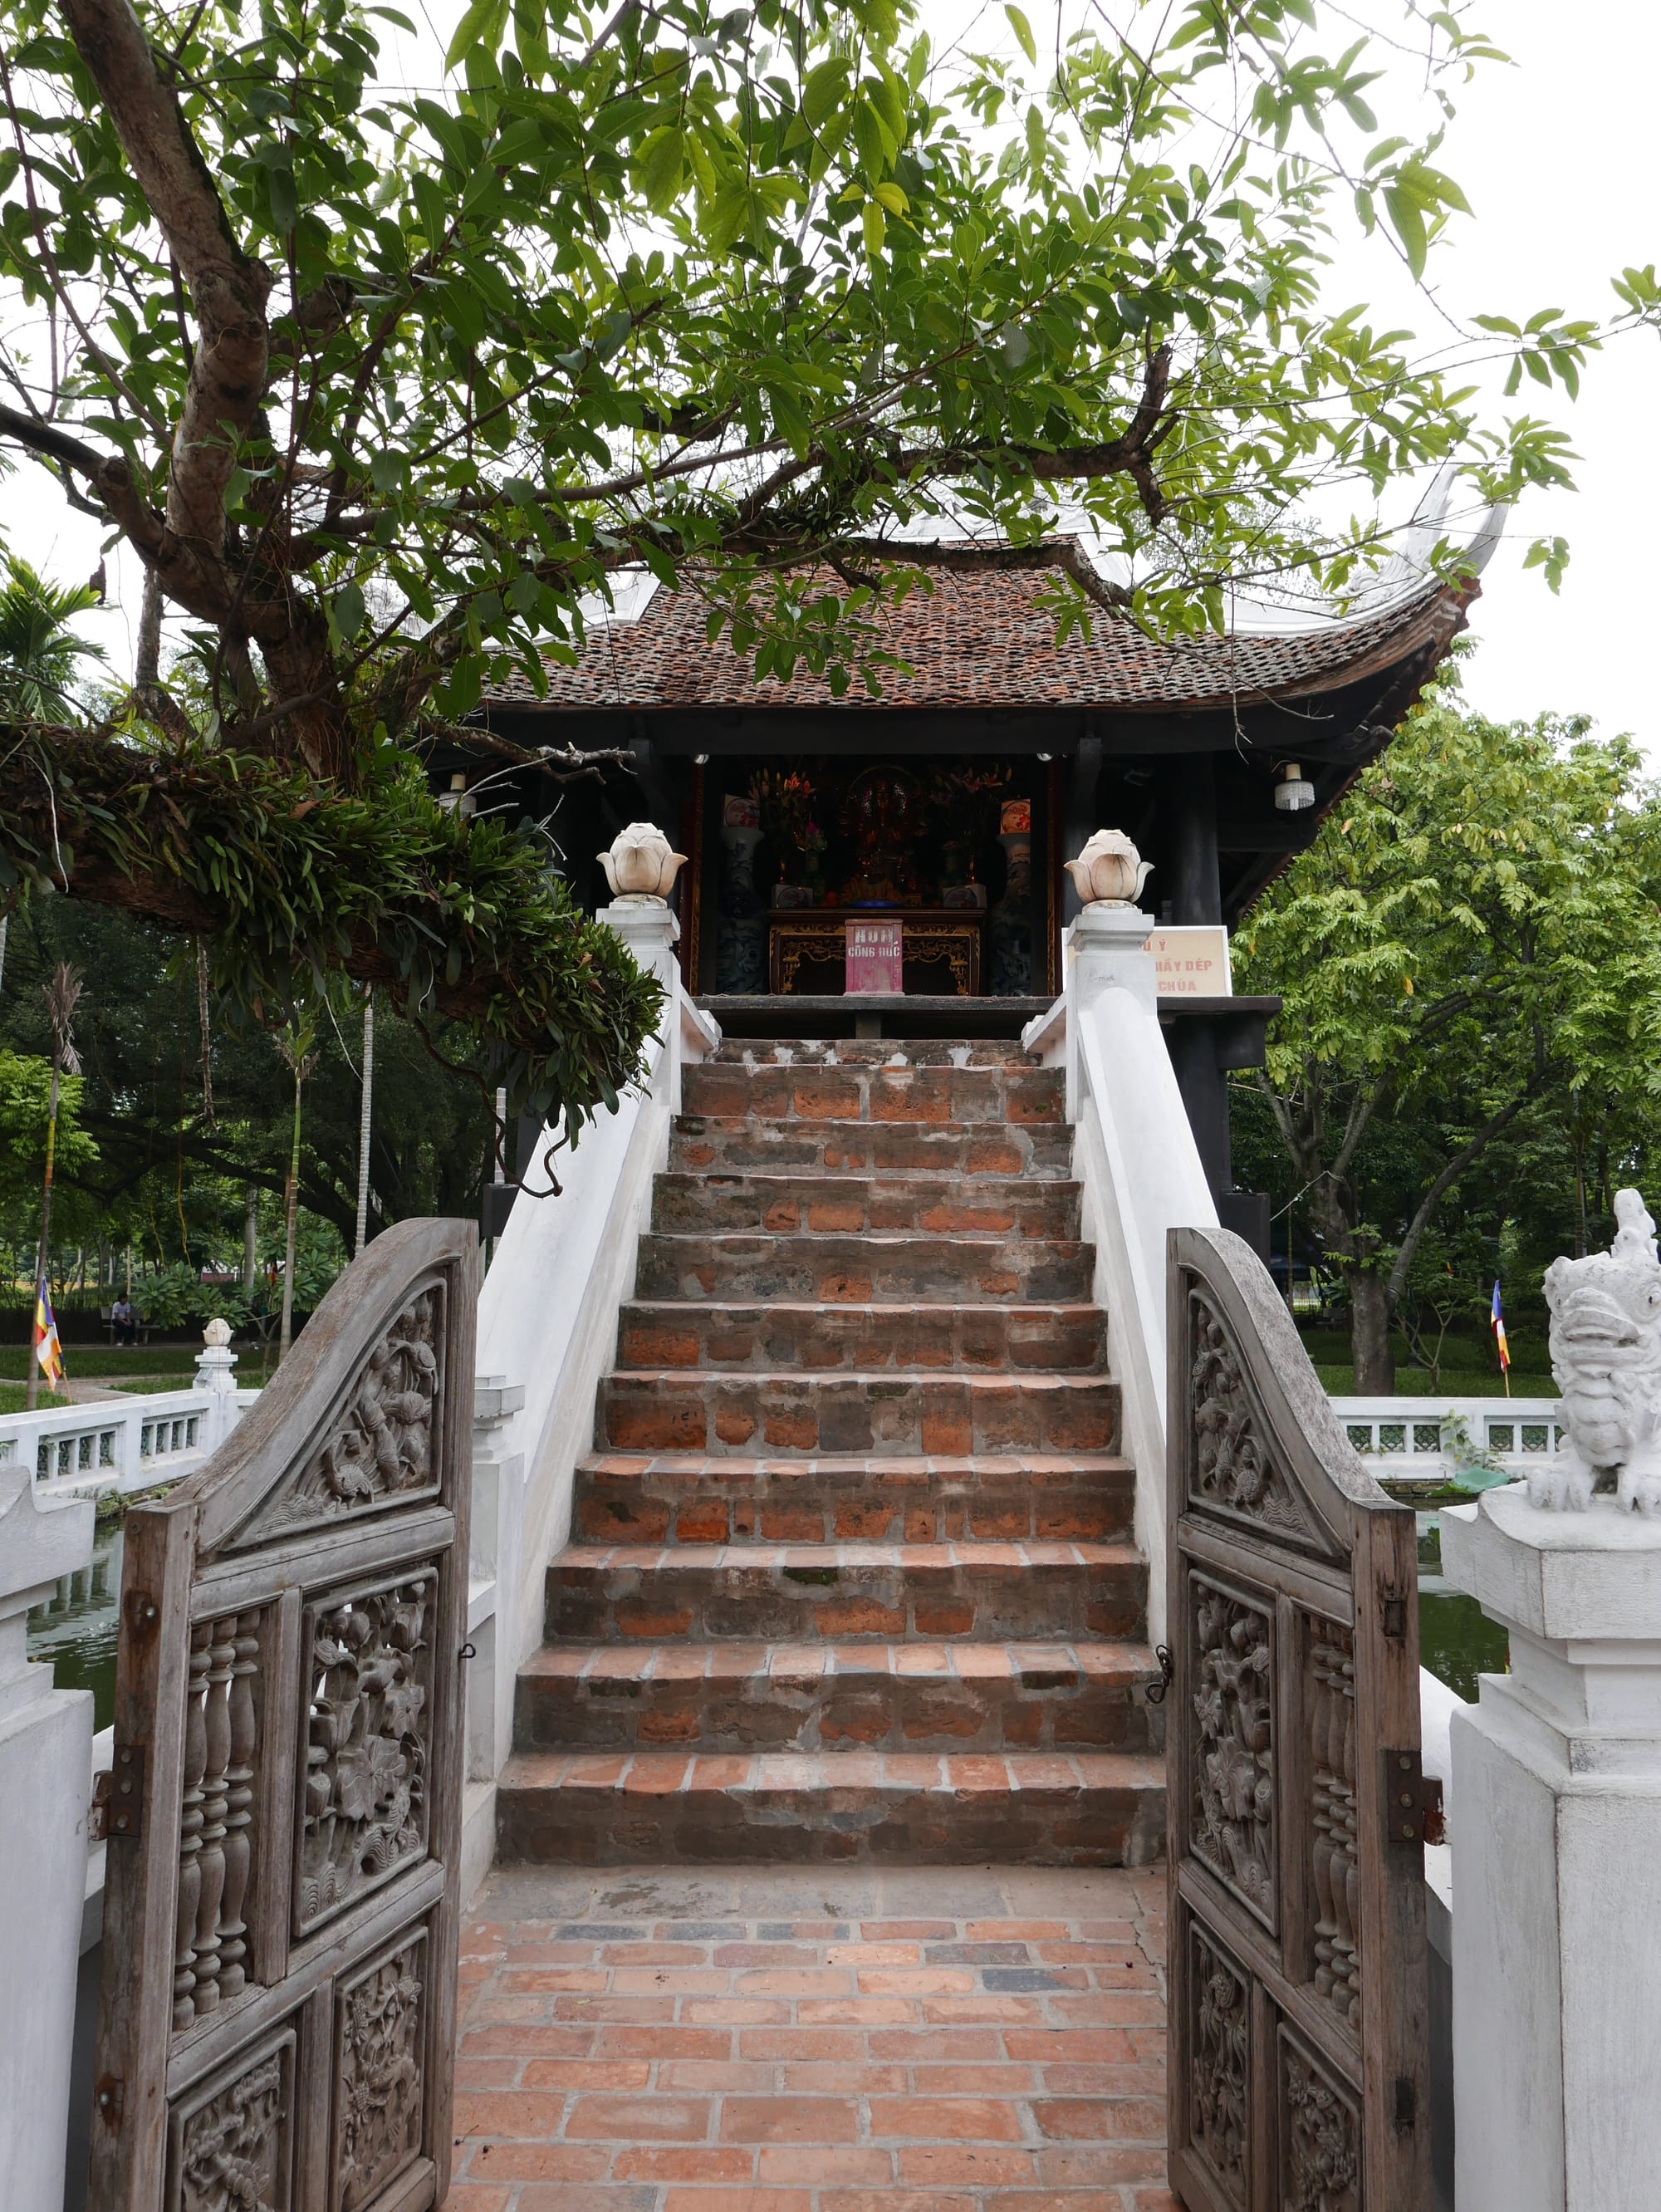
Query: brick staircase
{"points": [[851, 1574]]}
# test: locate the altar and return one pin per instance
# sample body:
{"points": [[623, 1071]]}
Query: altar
{"points": [[940, 950]]}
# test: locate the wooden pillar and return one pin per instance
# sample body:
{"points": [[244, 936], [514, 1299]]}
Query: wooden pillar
{"points": [[1079, 807], [1191, 796]]}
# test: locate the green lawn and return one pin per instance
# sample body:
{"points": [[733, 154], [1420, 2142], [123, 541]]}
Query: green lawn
{"points": [[1456, 1382], [11, 1399], [100, 1362]]}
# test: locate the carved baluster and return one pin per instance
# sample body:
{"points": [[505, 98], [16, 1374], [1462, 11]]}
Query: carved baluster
{"points": [[190, 1827], [217, 1720], [1351, 1925], [238, 1808]]}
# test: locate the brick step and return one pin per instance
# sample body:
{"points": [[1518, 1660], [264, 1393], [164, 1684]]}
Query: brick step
{"points": [[1039, 1151], [843, 1593], [669, 1410], [873, 1052], [818, 1696], [851, 1205], [718, 1337], [687, 1498], [864, 1093], [870, 1270], [1041, 1808]]}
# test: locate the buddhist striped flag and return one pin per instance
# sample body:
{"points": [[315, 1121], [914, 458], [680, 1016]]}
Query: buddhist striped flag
{"points": [[48, 1353], [1497, 1322]]}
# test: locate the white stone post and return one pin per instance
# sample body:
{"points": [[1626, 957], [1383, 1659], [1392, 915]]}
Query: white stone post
{"points": [[215, 1373], [650, 931], [45, 1768], [1557, 1861], [1105, 950]]}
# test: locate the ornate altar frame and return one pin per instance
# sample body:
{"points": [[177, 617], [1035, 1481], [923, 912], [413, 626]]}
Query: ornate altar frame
{"points": [[947, 936]]}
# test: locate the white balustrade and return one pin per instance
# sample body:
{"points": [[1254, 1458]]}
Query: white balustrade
{"points": [[45, 1749], [548, 1332], [1427, 1439], [1134, 1156], [131, 1442]]}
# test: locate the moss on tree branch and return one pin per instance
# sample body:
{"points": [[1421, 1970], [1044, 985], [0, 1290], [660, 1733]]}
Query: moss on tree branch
{"points": [[288, 878]]}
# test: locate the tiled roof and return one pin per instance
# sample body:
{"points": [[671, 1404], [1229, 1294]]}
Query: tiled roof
{"points": [[980, 639]]}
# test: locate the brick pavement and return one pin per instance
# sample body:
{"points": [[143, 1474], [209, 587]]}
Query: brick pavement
{"points": [[813, 2040]]}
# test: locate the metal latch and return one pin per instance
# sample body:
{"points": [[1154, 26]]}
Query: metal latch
{"points": [[1412, 1803], [118, 1805]]}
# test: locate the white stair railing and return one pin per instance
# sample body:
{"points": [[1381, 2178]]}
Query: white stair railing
{"points": [[1134, 1155], [548, 1332]]}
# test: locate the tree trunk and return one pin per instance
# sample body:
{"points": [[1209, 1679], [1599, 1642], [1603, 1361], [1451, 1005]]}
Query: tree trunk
{"points": [[363, 1122], [32, 1374], [291, 1208], [250, 1239], [1369, 1335]]}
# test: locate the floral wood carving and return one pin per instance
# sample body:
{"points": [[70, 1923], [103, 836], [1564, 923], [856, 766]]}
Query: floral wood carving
{"points": [[231, 2150], [1218, 2079], [1234, 1467], [369, 1715], [379, 2074], [1232, 1785], [1320, 2136], [384, 1447], [1334, 1867]]}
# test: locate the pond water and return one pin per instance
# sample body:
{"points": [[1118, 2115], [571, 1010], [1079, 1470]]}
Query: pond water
{"points": [[77, 1629], [1456, 1640]]}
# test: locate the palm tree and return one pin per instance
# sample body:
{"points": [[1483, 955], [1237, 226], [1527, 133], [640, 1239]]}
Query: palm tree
{"points": [[39, 654]]}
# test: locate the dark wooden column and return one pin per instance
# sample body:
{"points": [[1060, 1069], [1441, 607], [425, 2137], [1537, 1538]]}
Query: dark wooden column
{"points": [[1081, 778], [1191, 796]]}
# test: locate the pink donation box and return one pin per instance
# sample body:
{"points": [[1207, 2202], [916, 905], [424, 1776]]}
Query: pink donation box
{"points": [[874, 954]]}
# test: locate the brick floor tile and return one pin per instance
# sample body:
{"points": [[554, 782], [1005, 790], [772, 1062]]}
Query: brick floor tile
{"points": [[968, 2119], [540, 2161], [854, 2012], [1121, 2120], [789, 2120], [915, 1981], [709, 2162], [508, 2114], [915, 2044], [1082, 2165], [475, 2196], [584, 2197], [916, 1931], [584, 2074], [624, 2119], [615, 2043], [735, 2012], [836, 2044], [978, 2165], [738, 2200], [715, 2077], [963, 2080], [820, 2164]]}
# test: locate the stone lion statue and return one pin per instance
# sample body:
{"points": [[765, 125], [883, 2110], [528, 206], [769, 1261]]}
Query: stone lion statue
{"points": [[1606, 1355]]}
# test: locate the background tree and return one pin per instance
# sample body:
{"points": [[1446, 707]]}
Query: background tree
{"points": [[1469, 953], [377, 387]]}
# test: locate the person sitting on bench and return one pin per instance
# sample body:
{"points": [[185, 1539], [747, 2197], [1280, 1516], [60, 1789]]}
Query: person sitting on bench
{"points": [[123, 1322]]}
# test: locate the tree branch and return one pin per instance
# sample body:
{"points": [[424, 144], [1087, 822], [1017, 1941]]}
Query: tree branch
{"points": [[1439, 1190]]}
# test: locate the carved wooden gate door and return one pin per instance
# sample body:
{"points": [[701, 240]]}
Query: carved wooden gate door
{"points": [[278, 2005], [1297, 1986]]}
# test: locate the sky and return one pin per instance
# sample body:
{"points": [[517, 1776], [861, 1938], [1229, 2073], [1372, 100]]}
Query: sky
{"points": [[1557, 156]]}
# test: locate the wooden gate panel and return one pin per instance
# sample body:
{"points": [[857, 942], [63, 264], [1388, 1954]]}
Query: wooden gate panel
{"points": [[1298, 2076], [277, 2017]]}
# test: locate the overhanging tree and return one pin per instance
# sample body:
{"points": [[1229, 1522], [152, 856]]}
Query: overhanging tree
{"points": [[1471, 944], [377, 387]]}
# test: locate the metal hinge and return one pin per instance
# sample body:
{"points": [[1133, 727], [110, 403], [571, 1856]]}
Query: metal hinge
{"points": [[1412, 1803], [1394, 1615], [118, 1805], [1154, 1692], [109, 2096]]}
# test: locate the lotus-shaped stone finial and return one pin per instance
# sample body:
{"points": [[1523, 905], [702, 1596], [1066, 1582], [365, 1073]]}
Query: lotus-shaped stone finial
{"points": [[639, 868], [1109, 872]]}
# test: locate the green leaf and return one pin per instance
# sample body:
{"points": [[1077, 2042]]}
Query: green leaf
{"points": [[346, 612], [1022, 29], [876, 227], [481, 27]]}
